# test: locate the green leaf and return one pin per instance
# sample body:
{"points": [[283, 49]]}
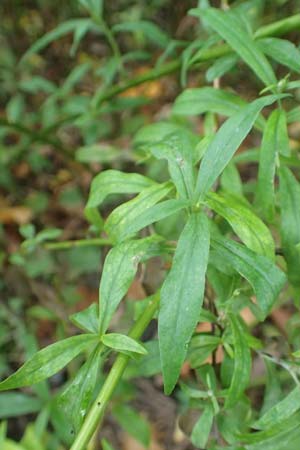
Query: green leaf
{"points": [[282, 51], [76, 398], [230, 27], [281, 411], [123, 343], [194, 101], [272, 144], [231, 181], [221, 66], [148, 365], [119, 269], [48, 361], [95, 7], [61, 30], [134, 212], [132, 423], [202, 428], [179, 150], [226, 142], [282, 428], [252, 231], [182, 297], [106, 445], [14, 404], [265, 278], [125, 221], [87, 319], [113, 182], [149, 29], [289, 189], [242, 363]]}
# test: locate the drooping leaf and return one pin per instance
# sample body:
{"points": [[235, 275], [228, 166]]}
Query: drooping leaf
{"points": [[242, 363], [120, 224], [179, 150], [121, 342], [265, 277], [48, 361], [133, 423], [230, 27], [252, 231], [182, 296], [226, 141], [113, 182], [129, 213], [118, 272], [289, 189], [61, 30], [272, 144], [282, 51], [281, 411], [76, 398], [195, 101], [221, 66], [202, 428]]}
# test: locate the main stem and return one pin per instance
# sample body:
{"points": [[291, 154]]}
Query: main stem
{"points": [[97, 411]]}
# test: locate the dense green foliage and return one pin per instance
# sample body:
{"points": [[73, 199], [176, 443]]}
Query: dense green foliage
{"points": [[218, 209]]}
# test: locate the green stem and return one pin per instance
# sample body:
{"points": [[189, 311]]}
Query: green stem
{"points": [[97, 410], [63, 245], [279, 28]]}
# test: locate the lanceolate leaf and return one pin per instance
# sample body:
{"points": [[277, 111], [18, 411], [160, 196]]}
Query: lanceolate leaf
{"points": [[129, 213], [290, 222], [270, 148], [179, 150], [200, 100], [202, 428], [230, 28], [121, 342], [265, 278], [48, 361], [129, 225], [76, 398], [244, 222], [118, 272], [242, 363], [282, 51], [280, 411], [226, 141], [114, 182], [182, 296]]}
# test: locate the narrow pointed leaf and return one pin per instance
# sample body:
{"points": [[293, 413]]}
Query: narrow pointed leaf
{"points": [[282, 51], [226, 142], [230, 27], [182, 297], [281, 411], [113, 182], [265, 277], [290, 222], [242, 363], [195, 101], [76, 398], [179, 150], [133, 423], [118, 272], [48, 361], [272, 145], [252, 231], [121, 342], [202, 428], [131, 216]]}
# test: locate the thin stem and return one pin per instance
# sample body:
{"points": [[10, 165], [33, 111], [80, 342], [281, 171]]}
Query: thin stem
{"points": [[63, 245], [97, 410]]}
